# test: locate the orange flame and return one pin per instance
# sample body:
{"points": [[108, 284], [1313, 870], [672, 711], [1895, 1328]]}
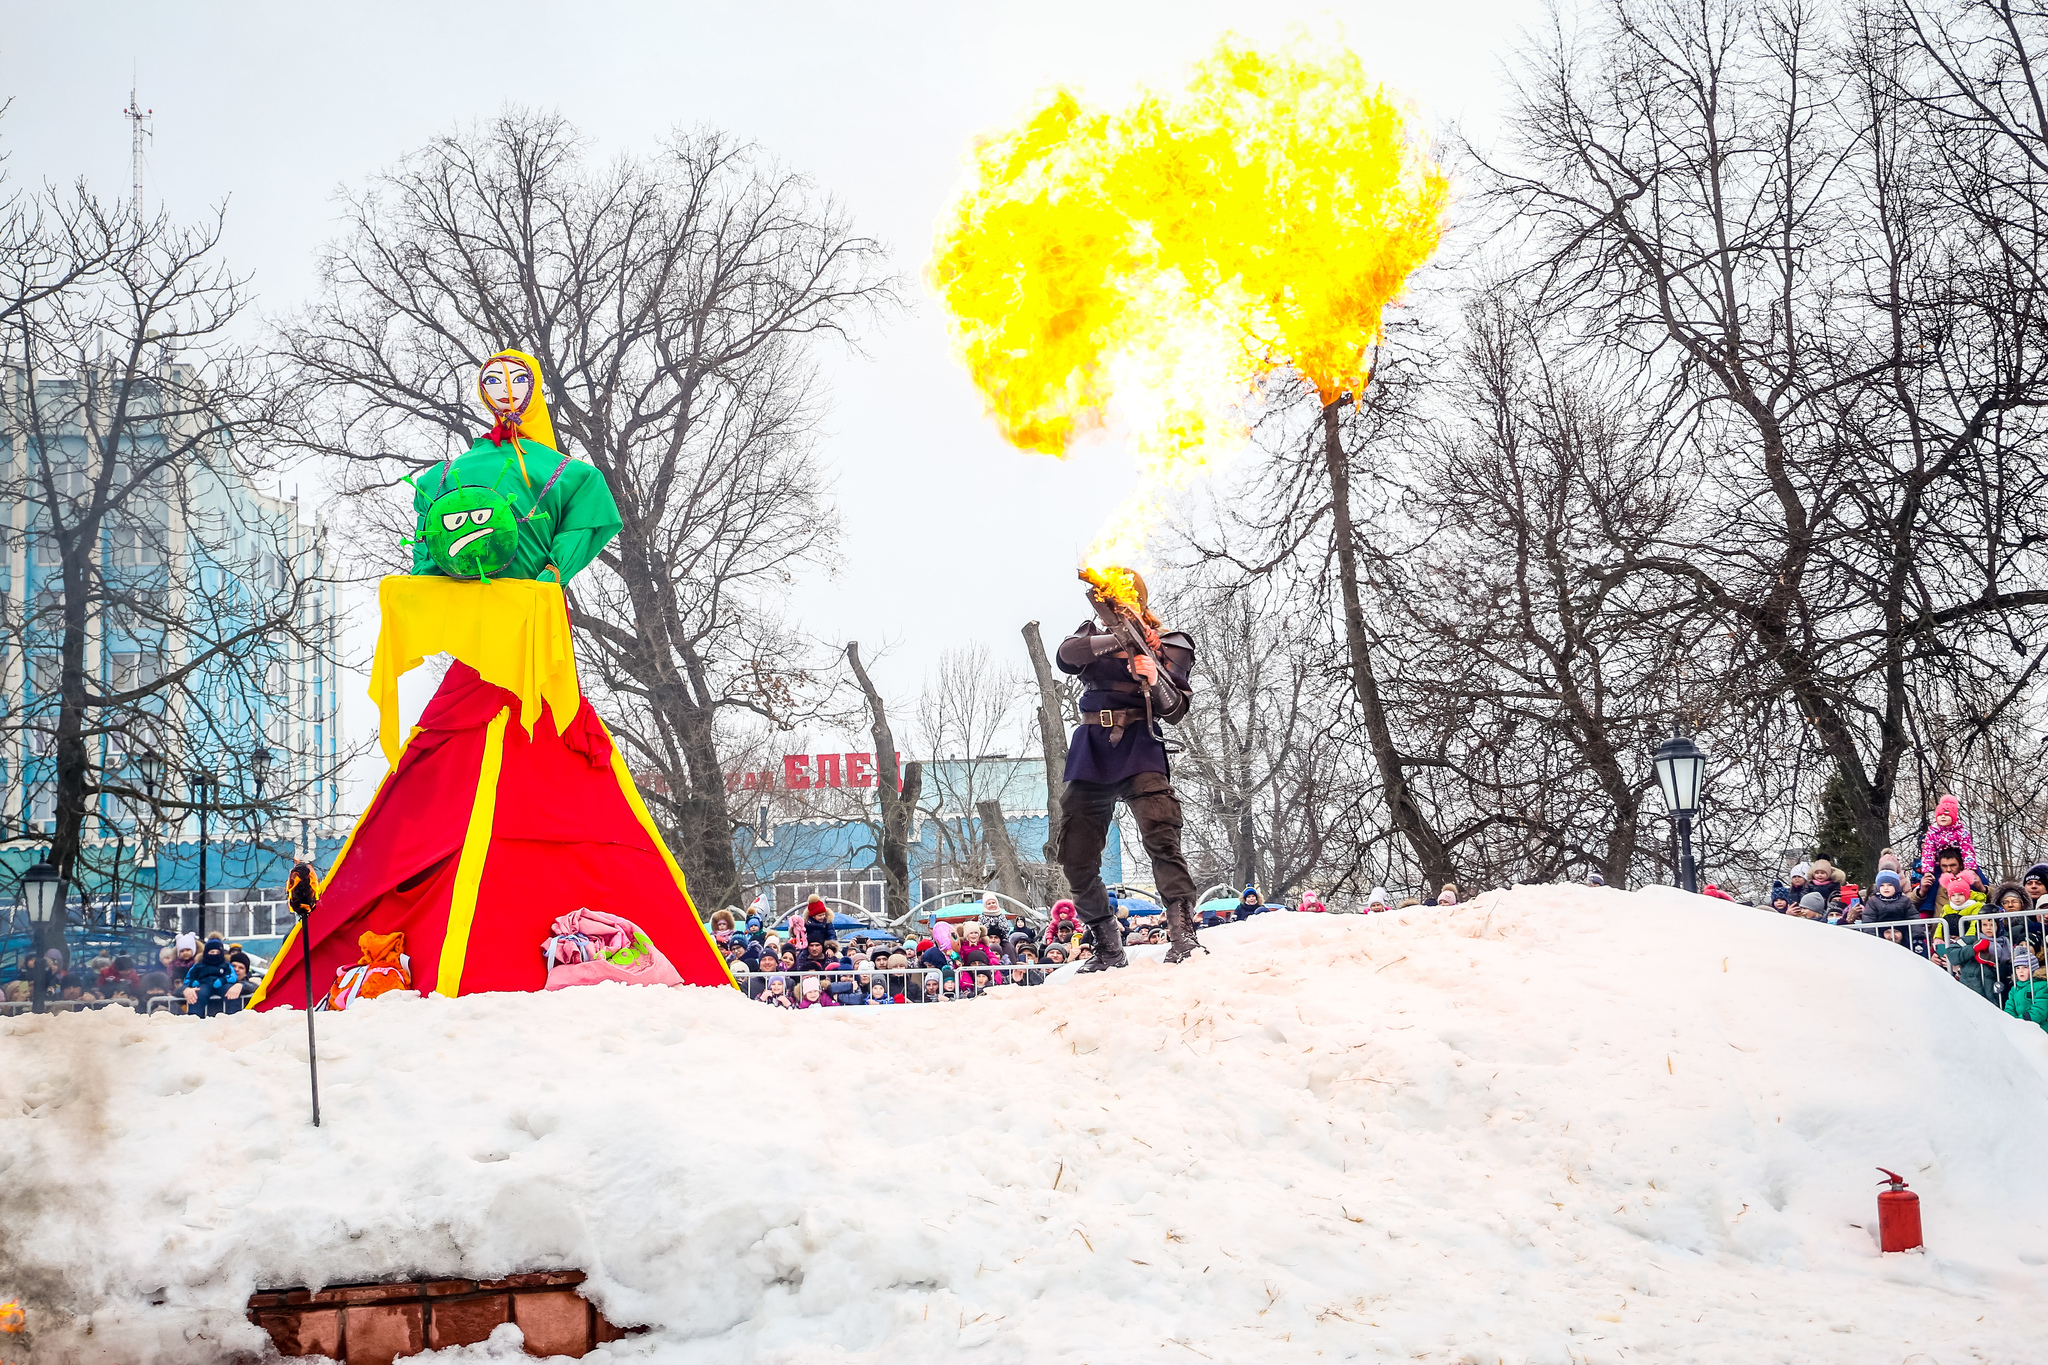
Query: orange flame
{"points": [[12, 1318], [1174, 255], [1118, 585]]}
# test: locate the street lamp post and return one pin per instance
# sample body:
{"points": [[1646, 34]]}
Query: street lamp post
{"points": [[204, 784], [1680, 766], [149, 766], [43, 890]]}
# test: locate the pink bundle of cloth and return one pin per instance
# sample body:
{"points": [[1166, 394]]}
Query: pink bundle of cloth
{"points": [[590, 946]]}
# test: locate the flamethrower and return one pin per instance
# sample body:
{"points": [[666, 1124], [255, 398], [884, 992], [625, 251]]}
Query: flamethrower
{"points": [[1113, 595]]}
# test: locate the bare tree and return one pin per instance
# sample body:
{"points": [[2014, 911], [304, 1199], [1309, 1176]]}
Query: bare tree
{"points": [[967, 725], [673, 302], [160, 609], [896, 793], [1054, 703], [1736, 196]]}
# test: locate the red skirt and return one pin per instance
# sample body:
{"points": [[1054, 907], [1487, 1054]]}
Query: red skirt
{"points": [[479, 839]]}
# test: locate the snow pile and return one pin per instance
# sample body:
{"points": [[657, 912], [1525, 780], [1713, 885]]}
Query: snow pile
{"points": [[1557, 1124]]}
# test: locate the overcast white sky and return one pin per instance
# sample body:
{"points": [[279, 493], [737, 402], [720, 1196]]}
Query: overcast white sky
{"points": [[273, 107]]}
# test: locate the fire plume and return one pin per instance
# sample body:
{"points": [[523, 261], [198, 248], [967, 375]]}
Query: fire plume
{"points": [[1169, 259], [1114, 583]]}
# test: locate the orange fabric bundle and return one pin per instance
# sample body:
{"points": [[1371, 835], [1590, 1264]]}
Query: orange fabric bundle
{"points": [[383, 967]]}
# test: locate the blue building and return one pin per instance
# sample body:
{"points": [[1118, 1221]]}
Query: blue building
{"points": [[801, 839], [191, 566]]}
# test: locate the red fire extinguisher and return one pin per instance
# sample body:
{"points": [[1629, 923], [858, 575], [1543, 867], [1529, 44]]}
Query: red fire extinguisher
{"points": [[1898, 1216]]}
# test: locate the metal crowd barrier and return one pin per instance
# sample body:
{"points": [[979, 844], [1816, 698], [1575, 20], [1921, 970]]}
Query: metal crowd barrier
{"points": [[171, 1004], [2003, 928], [63, 1006], [916, 984]]}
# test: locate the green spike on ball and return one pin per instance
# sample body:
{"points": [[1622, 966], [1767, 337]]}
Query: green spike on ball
{"points": [[472, 532]]}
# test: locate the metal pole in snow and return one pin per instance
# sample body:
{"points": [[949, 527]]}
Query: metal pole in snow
{"points": [[312, 1056], [302, 894]]}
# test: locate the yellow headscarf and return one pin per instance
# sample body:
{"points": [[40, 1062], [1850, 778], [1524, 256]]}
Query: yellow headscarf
{"points": [[534, 423]]}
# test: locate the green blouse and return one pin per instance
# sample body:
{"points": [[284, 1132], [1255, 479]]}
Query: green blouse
{"points": [[576, 520]]}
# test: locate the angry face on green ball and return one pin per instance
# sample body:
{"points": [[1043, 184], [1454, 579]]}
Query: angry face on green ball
{"points": [[472, 532]]}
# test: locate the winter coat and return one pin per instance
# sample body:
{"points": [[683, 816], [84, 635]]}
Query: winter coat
{"points": [[2029, 1000], [211, 972], [1885, 909], [1934, 901], [1830, 894], [1956, 836], [1789, 892], [1979, 975]]}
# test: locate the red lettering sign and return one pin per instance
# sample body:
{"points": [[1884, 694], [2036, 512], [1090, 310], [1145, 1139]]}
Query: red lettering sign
{"points": [[801, 772]]}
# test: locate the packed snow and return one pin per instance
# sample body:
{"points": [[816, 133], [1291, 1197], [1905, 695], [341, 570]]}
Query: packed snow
{"points": [[1553, 1125]]}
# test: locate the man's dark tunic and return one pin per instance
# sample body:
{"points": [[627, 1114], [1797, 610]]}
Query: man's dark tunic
{"points": [[1121, 762]]}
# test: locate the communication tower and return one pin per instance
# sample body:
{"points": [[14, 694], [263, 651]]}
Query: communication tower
{"points": [[137, 116]]}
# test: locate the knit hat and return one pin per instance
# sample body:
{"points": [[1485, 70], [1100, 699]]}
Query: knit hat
{"points": [[1812, 900], [1800, 869], [2023, 955], [2038, 872], [1595, 879], [1891, 876], [1950, 807], [188, 942], [1958, 884], [1889, 861]]}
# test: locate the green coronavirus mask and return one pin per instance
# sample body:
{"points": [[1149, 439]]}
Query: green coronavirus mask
{"points": [[472, 532]]}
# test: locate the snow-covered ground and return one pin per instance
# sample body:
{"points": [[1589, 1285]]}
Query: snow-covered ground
{"points": [[1553, 1125]]}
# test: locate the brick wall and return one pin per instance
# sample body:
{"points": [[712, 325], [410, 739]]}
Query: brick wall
{"points": [[374, 1324]]}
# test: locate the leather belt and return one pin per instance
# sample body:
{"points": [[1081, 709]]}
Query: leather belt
{"points": [[1113, 720]]}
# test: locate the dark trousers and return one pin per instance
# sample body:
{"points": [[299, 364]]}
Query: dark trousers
{"points": [[1086, 808]]}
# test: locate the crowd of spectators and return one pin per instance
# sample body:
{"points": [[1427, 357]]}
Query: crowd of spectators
{"points": [[811, 963], [1942, 905], [189, 977], [1990, 936]]}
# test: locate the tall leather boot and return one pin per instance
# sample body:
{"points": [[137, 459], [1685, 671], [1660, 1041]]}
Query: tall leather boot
{"points": [[1180, 932], [1109, 946]]}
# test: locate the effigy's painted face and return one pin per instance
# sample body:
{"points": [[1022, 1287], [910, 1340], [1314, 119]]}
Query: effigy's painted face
{"points": [[507, 386], [472, 532]]}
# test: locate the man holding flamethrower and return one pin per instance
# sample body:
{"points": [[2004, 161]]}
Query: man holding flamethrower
{"points": [[1136, 675]]}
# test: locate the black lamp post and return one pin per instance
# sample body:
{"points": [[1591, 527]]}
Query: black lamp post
{"points": [[205, 784], [149, 766], [1680, 767], [43, 891]]}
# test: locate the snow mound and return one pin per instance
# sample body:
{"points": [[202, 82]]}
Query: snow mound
{"points": [[1556, 1124]]}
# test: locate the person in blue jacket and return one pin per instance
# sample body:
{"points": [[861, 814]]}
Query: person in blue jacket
{"points": [[210, 982]]}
